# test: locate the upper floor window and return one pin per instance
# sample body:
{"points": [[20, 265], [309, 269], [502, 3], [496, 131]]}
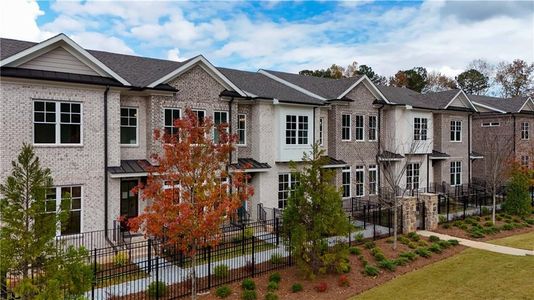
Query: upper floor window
{"points": [[345, 182], [345, 127], [57, 122], [420, 129], [242, 129], [373, 187], [171, 114], [219, 117], [296, 130], [286, 183], [200, 115], [55, 196], [359, 128], [321, 120], [456, 131], [128, 126], [524, 131], [412, 176], [525, 160], [491, 124], [360, 181], [456, 173], [372, 128]]}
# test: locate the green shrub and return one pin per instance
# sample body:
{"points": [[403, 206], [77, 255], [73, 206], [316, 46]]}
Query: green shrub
{"points": [[435, 247], [276, 258], [423, 252], [457, 223], [249, 233], [433, 238], [486, 211], [412, 245], [444, 244], [358, 238], [272, 286], [413, 236], [401, 261], [477, 218], [530, 221], [446, 225], [387, 264], [157, 289], [422, 243], [488, 224], [454, 242], [476, 233], [248, 284], [271, 296], [121, 259], [355, 251], [464, 227], [509, 221], [442, 219], [343, 267], [371, 271], [490, 230], [508, 227], [404, 240], [223, 291], [518, 200], [369, 245], [275, 277], [498, 218], [296, 287], [249, 295], [221, 271], [409, 255]]}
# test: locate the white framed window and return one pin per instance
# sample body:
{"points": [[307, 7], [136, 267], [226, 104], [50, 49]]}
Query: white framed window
{"points": [[57, 123], [372, 128], [345, 182], [345, 127], [242, 129], [296, 130], [359, 128], [173, 189], [321, 120], [456, 131], [129, 126], [53, 200], [219, 117], [200, 114], [420, 129], [373, 186], [524, 131], [286, 183], [412, 176], [490, 124], [360, 181], [525, 161], [456, 173], [170, 115]]}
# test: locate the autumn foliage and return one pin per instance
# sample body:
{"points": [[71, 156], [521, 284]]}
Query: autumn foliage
{"points": [[190, 192]]}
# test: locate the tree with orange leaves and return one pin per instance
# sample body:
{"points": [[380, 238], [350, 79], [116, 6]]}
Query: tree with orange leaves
{"points": [[189, 200]]}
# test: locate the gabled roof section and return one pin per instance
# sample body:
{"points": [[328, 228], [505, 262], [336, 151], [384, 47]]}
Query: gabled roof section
{"points": [[451, 99], [503, 105], [370, 86], [15, 59], [207, 66], [259, 85], [462, 101]]}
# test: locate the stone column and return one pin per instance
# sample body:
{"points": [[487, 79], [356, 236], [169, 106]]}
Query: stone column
{"points": [[409, 214], [431, 210]]}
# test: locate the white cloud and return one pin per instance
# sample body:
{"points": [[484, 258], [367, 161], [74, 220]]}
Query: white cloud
{"points": [[98, 41], [174, 54], [18, 21]]}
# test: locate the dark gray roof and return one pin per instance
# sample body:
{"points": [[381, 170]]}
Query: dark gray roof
{"points": [[250, 163], [504, 104], [390, 155], [438, 155], [9, 47], [325, 87], [140, 166], [330, 161], [400, 95], [263, 86]]}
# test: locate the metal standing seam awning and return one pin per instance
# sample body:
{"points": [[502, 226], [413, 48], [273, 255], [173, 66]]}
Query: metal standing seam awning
{"points": [[250, 165], [389, 156], [476, 155], [436, 155], [130, 168], [331, 163]]}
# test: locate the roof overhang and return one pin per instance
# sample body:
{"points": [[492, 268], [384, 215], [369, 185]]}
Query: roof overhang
{"points": [[207, 66], [370, 86], [475, 155], [61, 40], [488, 107], [291, 85], [461, 92], [528, 102]]}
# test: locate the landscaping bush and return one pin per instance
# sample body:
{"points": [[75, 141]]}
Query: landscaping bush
{"points": [[296, 287], [442, 219], [358, 238], [369, 245], [463, 226], [343, 267], [435, 247], [271, 296], [389, 241], [422, 243], [404, 240], [444, 244], [275, 277], [517, 194], [488, 224], [363, 260], [221, 271], [343, 281], [321, 287], [433, 238], [490, 230], [276, 258], [401, 261], [457, 223], [249, 295], [371, 271], [157, 289], [409, 255], [223, 291], [486, 211], [249, 233], [412, 245], [476, 233], [248, 284], [446, 225], [355, 251], [413, 236], [530, 221], [423, 252], [121, 259], [387, 264], [454, 242], [507, 227], [272, 286], [498, 218]]}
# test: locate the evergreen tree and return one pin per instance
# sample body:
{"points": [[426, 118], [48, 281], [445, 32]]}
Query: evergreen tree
{"points": [[517, 193], [314, 212], [473, 82], [27, 235]]}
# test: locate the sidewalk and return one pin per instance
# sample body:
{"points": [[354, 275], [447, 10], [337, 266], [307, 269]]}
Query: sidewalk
{"points": [[480, 245]]}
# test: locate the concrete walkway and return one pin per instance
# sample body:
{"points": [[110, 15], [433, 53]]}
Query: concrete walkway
{"points": [[480, 245]]}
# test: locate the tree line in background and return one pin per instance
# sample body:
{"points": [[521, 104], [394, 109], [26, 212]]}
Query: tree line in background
{"points": [[505, 79]]}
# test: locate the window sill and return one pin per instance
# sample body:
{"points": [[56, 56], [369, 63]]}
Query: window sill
{"points": [[129, 145], [455, 141], [241, 145], [57, 145]]}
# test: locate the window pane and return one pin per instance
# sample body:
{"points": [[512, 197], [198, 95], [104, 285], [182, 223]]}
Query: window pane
{"points": [[38, 106], [65, 107], [128, 135], [45, 134], [50, 106], [39, 117], [73, 224], [70, 134]]}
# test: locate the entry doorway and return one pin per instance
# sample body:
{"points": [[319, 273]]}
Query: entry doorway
{"points": [[129, 200]]}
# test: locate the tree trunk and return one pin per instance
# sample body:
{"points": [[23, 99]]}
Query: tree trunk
{"points": [[194, 273], [494, 207], [395, 225]]}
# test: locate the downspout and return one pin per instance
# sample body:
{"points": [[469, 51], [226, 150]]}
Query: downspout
{"points": [[427, 173], [230, 123], [469, 149], [106, 192], [313, 132], [514, 137], [379, 136]]}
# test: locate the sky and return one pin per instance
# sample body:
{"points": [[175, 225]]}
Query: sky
{"points": [[288, 36]]}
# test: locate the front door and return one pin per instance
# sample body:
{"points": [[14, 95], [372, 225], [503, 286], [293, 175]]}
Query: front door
{"points": [[129, 200]]}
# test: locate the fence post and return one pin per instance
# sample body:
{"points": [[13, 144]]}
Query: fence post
{"points": [[277, 231], [389, 221], [424, 216], [289, 249], [465, 207], [401, 218], [149, 249], [350, 226], [448, 202], [253, 257], [157, 277], [374, 224], [364, 217], [209, 267], [94, 275], [243, 239]]}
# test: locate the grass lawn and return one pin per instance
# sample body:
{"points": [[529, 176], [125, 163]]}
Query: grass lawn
{"points": [[472, 274], [521, 241]]}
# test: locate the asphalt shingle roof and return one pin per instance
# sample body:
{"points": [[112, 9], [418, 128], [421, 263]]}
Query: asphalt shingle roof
{"points": [[504, 104]]}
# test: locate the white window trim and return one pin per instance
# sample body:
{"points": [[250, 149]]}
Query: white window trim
{"points": [[349, 127], [57, 124], [362, 170], [297, 126], [321, 131], [59, 197], [356, 128], [420, 129], [490, 124], [244, 144], [136, 128], [215, 125], [461, 135], [375, 128], [525, 161], [373, 168], [413, 182], [163, 113], [346, 170], [289, 185], [456, 164], [525, 130]]}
